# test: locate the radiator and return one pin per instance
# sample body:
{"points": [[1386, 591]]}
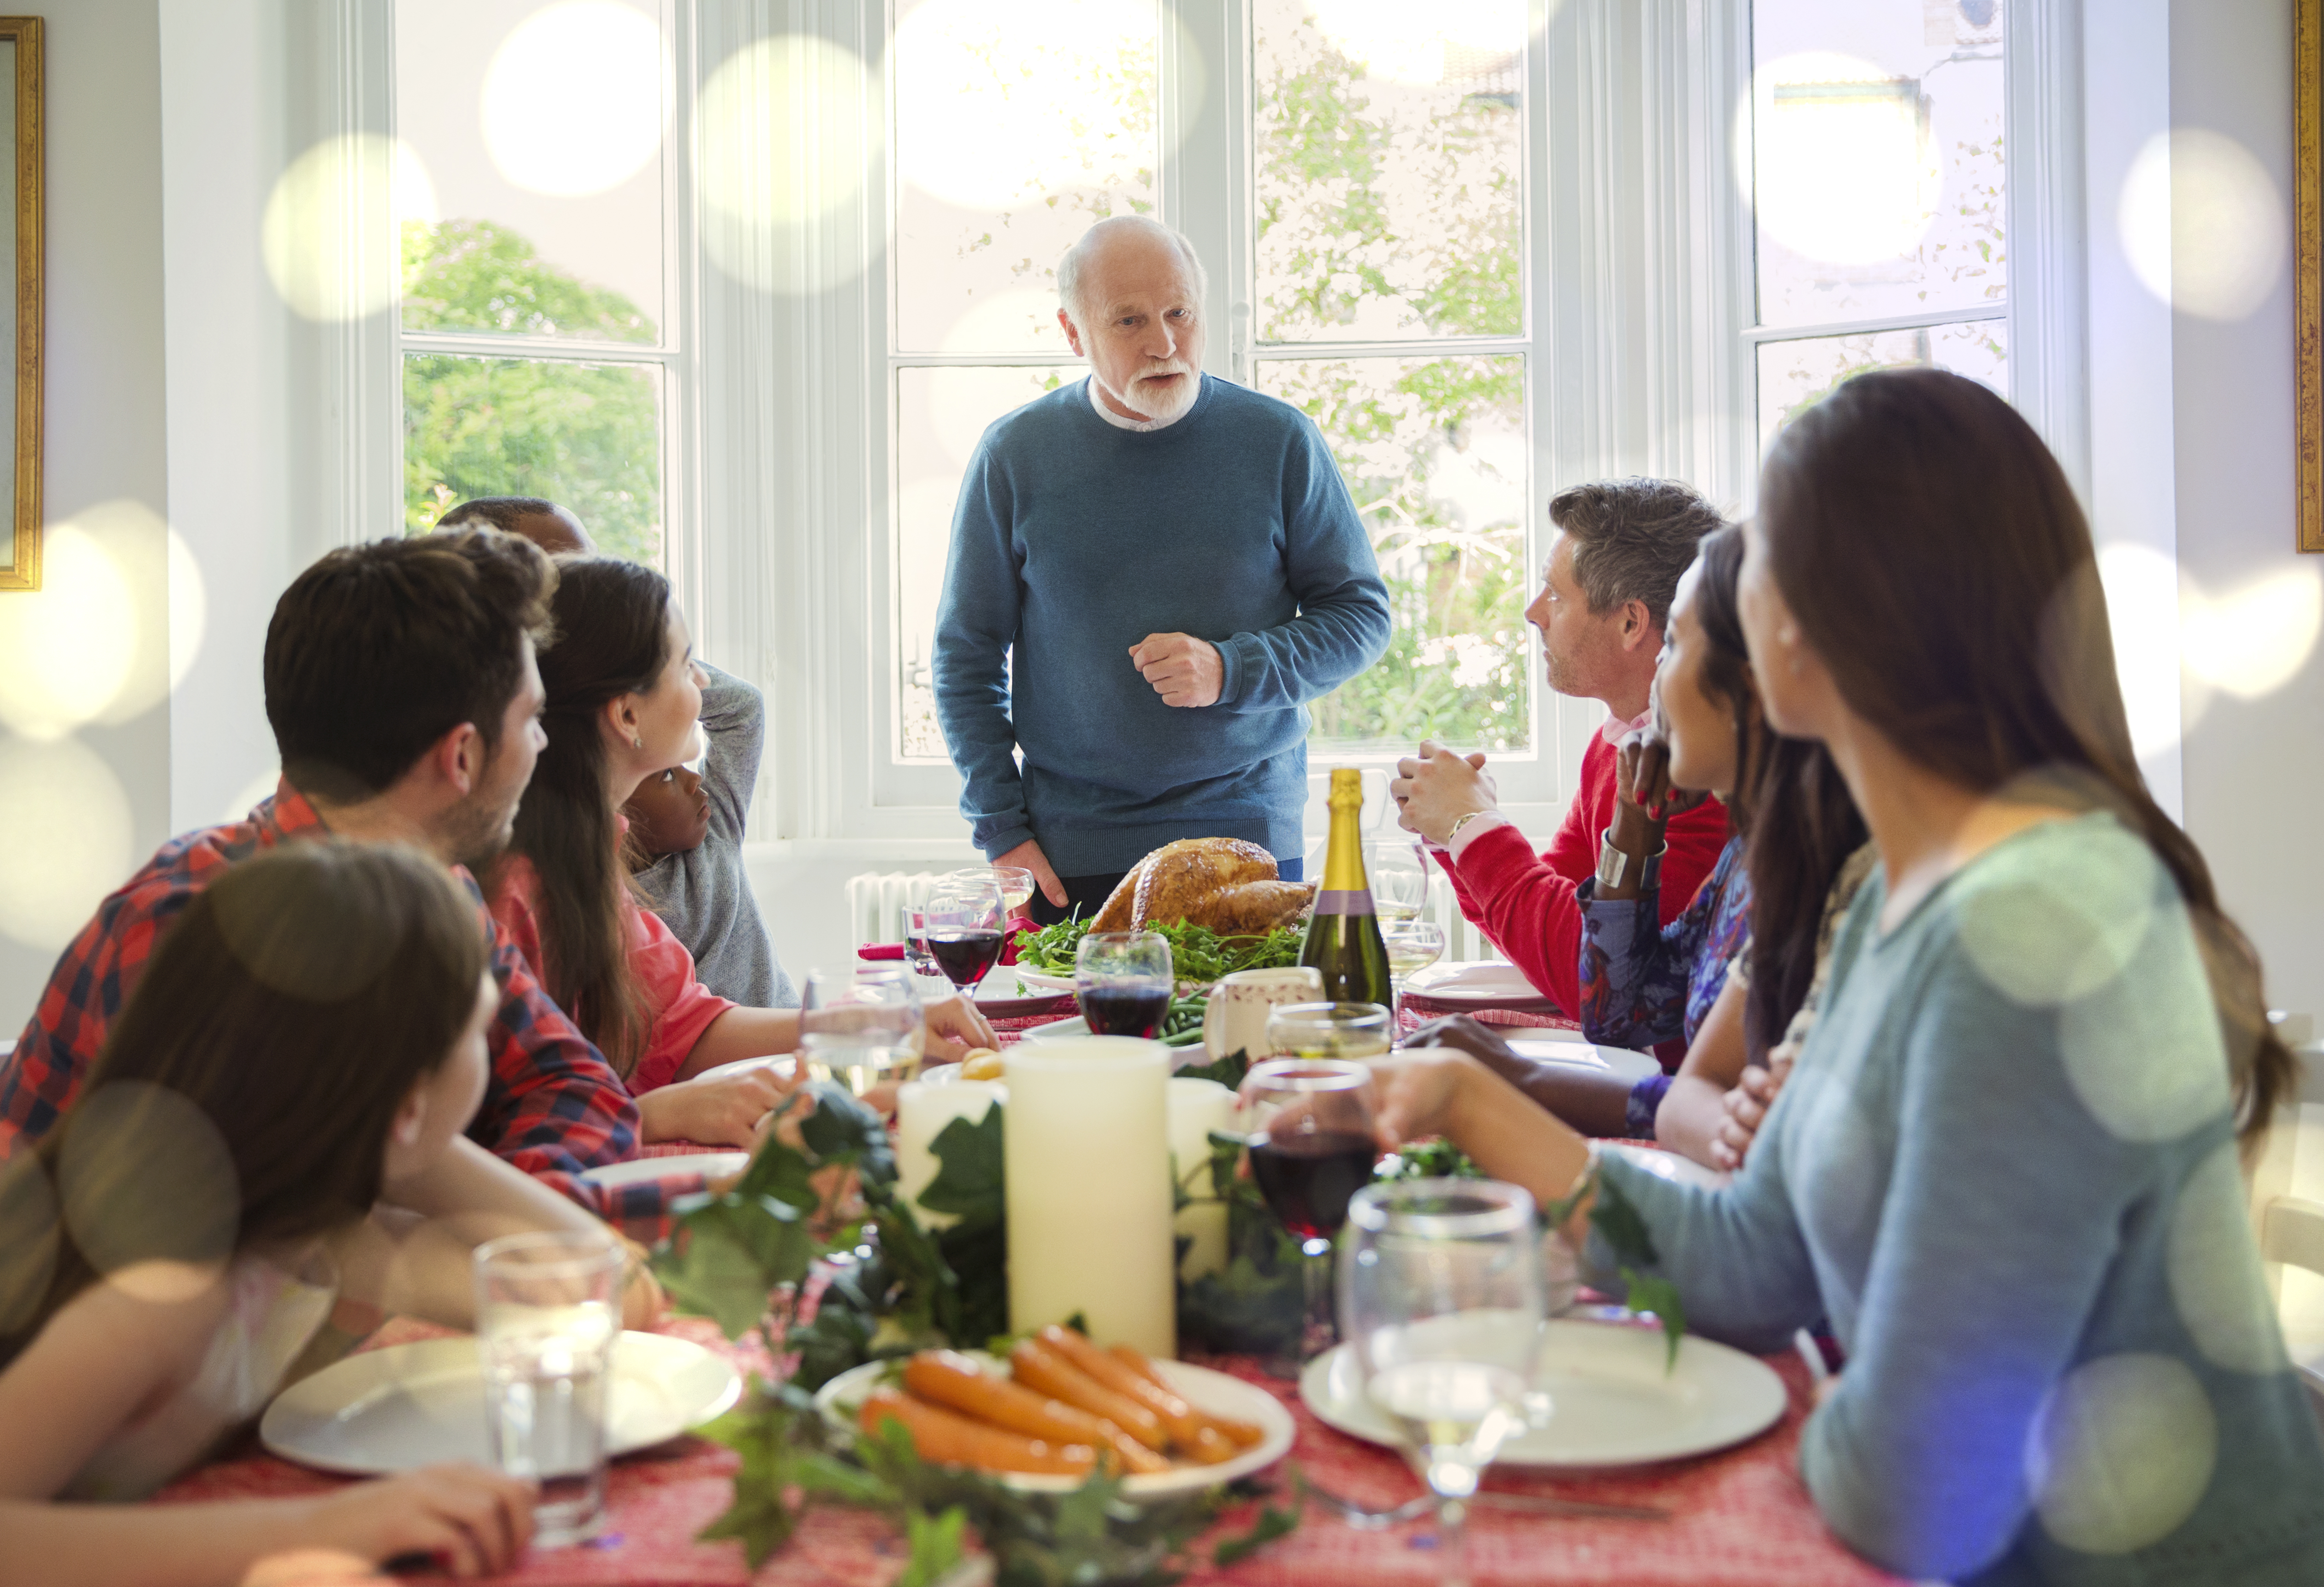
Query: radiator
{"points": [[877, 899]]}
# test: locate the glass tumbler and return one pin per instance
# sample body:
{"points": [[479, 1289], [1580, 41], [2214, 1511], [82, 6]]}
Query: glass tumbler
{"points": [[549, 1309]]}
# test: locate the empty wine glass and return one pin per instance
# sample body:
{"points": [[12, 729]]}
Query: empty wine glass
{"points": [[1308, 1123], [1122, 979], [962, 923], [1328, 1030], [1398, 872], [860, 1028], [1441, 1300], [1412, 946]]}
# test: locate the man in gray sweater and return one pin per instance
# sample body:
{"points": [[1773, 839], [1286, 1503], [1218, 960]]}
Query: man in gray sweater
{"points": [[1152, 572]]}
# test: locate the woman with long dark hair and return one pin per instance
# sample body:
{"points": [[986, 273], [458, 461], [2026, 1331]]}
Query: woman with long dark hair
{"points": [[307, 1044], [2004, 1166], [624, 703]]}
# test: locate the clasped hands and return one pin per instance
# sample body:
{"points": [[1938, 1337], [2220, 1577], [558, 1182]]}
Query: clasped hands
{"points": [[1434, 788]]}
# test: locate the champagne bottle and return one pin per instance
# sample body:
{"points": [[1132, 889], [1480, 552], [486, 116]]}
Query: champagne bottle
{"points": [[1343, 935]]}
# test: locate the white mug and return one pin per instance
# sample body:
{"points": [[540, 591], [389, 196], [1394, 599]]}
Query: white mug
{"points": [[1234, 1019]]}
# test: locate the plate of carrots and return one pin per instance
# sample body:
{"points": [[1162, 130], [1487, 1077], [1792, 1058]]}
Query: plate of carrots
{"points": [[1059, 1407]]}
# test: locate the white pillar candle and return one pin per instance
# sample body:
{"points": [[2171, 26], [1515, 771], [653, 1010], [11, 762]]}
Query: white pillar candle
{"points": [[1088, 1166], [922, 1111], [1198, 1107]]}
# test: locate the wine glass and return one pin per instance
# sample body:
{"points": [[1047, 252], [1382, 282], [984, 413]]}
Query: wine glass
{"points": [[1122, 979], [1309, 1128], [1412, 946], [1016, 884], [860, 1028], [963, 927], [1398, 873], [921, 962], [1329, 1031], [1441, 1298]]}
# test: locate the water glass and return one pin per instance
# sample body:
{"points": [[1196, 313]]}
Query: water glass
{"points": [[549, 1309], [1397, 871], [1016, 884], [1441, 1298], [1329, 1031], [1412, 946], [928, 979], [1122, 981], [1308, 1127], [860, 1029]]}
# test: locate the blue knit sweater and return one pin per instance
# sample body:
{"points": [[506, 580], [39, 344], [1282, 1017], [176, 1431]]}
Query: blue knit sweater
{"points": [[1073, 541]]}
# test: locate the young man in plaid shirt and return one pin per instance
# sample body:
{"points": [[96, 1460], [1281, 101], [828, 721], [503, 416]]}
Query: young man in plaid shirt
{"points": [[403, 691]]}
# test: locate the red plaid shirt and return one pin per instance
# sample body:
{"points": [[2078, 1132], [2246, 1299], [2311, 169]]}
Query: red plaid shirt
{"points": [[552, 1106]]}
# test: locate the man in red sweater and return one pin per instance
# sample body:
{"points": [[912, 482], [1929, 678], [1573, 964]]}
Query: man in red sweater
{"points": [[1606, 593]]}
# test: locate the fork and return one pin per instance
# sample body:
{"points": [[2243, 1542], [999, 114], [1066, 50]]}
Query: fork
{"points": [[1363, 1518]]}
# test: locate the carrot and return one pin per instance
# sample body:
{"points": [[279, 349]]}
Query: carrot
{"points": [[1186, 1428], [1044, 1370], [947, 1377], [1242, 1434], [946, 1439]]}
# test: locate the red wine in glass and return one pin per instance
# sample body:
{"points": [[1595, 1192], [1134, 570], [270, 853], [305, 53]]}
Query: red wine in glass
{"points": [[1308, 1177], [965, 954], [1133, 1008]]}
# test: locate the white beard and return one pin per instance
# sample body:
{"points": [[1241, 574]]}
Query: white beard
{"points": [[1162, 404]]}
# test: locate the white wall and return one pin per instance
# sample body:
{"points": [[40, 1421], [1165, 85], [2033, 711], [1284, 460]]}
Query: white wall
{"points": [[85, 756], [2250, 766]]}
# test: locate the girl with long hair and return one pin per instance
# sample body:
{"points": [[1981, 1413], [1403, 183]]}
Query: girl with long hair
{"points": [[272, 1129], [624, 703], [2004, 1166]]}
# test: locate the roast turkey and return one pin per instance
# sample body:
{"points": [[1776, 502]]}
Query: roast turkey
{"points": [[1222, 882]]}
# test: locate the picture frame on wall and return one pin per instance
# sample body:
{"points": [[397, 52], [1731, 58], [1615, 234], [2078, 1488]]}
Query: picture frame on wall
{"points": [[2307, 263], [21, 81]]}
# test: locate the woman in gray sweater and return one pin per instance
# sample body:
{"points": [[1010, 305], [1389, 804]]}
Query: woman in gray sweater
{"points": [[2004, 1166]]}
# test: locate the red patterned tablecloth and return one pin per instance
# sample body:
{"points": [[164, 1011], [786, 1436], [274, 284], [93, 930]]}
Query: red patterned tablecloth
{"points": [[1738, 1519]]}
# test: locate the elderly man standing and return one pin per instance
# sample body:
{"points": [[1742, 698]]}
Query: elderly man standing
{"points": [[1152, 572]]}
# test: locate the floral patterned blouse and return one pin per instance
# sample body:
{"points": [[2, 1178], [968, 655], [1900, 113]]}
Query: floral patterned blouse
{"points": [[1643, 983]]}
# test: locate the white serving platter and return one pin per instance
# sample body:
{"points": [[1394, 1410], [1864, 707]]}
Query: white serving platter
{"points": [[646, 1171], [382, 1411], [1612, 1402], [841, 1398]]}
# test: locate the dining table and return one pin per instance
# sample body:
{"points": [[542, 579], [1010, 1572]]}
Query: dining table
{"points": [[1737, 1518]]}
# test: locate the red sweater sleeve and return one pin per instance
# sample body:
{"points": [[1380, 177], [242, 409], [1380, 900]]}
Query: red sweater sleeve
{"points": [[1524, 902]]}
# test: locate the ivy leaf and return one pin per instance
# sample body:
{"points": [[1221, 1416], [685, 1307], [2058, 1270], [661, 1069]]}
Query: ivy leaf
{"points": [[842, 1129], [1228, 1071], [1660, 1296], [936, 1545], [1614, 1216], [1271, 1524], [727, 1255], [970, 1159]]}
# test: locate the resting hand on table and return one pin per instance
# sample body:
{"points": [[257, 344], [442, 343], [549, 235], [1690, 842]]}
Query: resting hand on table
{"points": [[476, 1520], [725, 1111], [1434, 788], [955, 1027]]}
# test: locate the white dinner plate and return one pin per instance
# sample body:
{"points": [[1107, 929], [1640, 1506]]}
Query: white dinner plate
{"points": [[1613, 1403], [383, 1411], [781, 1065], [1476, 983], [1037, 979], [1619, 1061], [841, 1398], [1058, 1029], [646, 1171]]}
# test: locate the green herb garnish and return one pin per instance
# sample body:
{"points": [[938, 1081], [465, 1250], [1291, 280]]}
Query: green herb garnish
{"points": [[1198, 955]]}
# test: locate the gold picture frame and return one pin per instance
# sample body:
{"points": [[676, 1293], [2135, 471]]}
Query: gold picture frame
{"points": [[19, 47], [2308, 262]]}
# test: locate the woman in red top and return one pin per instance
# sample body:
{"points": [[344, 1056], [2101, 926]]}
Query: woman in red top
{"points": [[624, 703]]}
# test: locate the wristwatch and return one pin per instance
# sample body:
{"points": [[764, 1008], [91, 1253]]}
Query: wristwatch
{"points": [[1614, 865]]}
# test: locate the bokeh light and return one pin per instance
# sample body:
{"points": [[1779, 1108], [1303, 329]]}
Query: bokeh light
{"points": [[328, 236], [117, 623], [577, 98], [1839, 170], [149, 1190], [782, 142], [2253, 640], [2142, 592], [64, 792], [997, 100], [2203, 225]]}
